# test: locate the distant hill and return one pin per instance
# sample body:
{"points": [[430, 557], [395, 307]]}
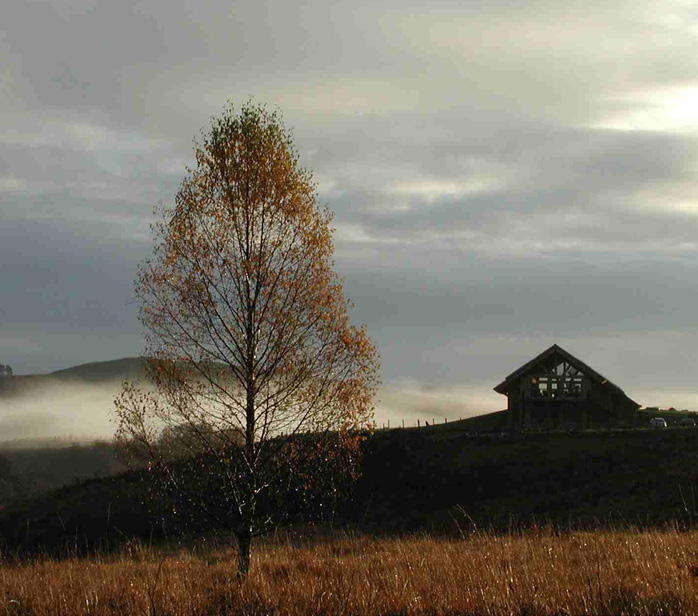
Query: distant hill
{"points": [[92, 373], [116, 369]]}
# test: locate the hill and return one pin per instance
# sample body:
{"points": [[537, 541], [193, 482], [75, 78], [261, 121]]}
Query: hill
{"points": [[95, 372], [417, 478], [102, 372], [430, 479], [32, 467], [76, 401], [489, 422]]}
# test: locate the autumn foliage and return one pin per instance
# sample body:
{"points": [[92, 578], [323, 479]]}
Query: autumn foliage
{"points": [[260, 384]]}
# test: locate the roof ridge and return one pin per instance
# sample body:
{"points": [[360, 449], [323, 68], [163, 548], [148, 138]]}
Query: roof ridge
{"points": [[585, 368]]}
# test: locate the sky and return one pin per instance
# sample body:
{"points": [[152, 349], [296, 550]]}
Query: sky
{"points": [[504, 175]]}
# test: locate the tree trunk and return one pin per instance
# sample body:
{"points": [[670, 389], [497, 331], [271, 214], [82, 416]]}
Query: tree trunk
{"points": [[244, 548]]}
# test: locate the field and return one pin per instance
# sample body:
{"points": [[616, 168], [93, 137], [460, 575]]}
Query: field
{"points": [[533, 572], [444, 521]]}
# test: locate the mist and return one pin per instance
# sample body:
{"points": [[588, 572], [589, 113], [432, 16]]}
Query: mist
{"points": [[412, 401], [53, 409], [79, 410]]}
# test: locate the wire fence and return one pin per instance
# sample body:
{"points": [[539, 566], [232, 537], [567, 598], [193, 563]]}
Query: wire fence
{"points": [[414, 423]]}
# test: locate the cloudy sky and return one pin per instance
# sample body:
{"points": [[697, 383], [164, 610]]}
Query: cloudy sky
{"points": [[505, 175]]}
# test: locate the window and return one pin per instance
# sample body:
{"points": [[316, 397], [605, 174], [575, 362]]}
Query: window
{"points": [[557, 381]]}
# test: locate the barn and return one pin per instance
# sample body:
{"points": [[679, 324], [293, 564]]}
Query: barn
{"points": [[557, 390]]}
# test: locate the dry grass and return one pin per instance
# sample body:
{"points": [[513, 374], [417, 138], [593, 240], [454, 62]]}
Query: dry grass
{"points": [[536, 572]]}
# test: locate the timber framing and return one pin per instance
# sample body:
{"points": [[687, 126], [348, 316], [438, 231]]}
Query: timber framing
{"points": [[557, 390]]}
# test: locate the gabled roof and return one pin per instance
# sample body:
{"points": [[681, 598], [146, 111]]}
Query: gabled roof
{"points": [[503, 387]]}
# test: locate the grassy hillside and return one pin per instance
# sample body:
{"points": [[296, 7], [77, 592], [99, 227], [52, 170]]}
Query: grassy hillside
{"points": [[490, 422], [417, 479], [30, 469], [97, 514], [44, 467], [435, 480]]}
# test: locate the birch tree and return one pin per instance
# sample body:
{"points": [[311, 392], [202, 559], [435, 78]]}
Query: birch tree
{"points": [[260, 385]]}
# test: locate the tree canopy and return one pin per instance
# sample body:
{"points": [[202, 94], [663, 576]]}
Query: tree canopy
{"points": [[257, 373]]}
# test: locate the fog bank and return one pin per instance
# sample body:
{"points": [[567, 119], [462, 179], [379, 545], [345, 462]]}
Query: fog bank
{"points": [[82, 410], [411, 401], [58, 409]]}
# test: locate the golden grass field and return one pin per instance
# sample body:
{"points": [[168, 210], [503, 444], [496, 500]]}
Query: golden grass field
{"points": [[527, 573]]}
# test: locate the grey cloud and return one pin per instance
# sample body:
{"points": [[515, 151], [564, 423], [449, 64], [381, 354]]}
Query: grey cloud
{"points": [[104, 191], [100, 102], [54, 279], [590, 186], [564, 293], [176, 54]]}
